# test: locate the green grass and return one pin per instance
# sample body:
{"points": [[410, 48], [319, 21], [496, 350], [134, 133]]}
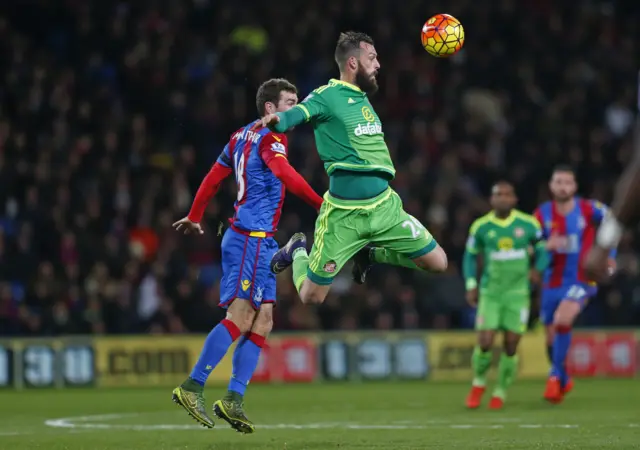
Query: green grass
{"points": [[427, 415]]}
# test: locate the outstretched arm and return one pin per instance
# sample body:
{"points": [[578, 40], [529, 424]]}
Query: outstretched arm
{"points": [[210, 185], [273, 151], [312, 107]]}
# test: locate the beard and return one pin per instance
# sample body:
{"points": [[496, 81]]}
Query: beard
{"points": [[367, 83], [562, 198]]}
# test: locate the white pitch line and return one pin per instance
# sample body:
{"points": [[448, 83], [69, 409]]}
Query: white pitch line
{"points": [[88, 423]]}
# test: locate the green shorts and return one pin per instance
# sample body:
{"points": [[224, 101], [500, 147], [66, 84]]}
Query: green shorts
{"points": [[345, 227], [503, 312]]}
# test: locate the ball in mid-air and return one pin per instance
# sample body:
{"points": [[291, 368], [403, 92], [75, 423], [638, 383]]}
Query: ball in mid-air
{"points": [[442, 35]]}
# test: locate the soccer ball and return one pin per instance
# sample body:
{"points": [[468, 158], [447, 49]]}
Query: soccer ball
{"points": [[442, 35]]}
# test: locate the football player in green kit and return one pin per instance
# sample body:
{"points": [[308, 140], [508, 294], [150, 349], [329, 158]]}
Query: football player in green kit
{"points": [[503, 238], [360, 208]]}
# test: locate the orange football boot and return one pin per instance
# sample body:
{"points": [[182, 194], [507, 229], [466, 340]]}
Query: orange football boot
{"points": [[496, 403], [567, 387], [553, 392], [475, 397]]}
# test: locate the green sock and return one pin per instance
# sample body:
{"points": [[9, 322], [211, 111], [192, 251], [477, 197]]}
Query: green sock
{"points": [[233, 396], [191, 385], [384, 256], [506, 374], [480, 361], [299, 267]]}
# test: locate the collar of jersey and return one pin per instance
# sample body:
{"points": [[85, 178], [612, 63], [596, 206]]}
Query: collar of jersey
{"points": [[349, 85], [503, 222]]}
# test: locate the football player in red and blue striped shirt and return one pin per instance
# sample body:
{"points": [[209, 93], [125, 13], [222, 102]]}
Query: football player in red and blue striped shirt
{"points": [[258, 157], [569, 225]]}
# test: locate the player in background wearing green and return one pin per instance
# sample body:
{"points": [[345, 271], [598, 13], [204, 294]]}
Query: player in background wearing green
{"points": [[360, 207], [504, 239]]}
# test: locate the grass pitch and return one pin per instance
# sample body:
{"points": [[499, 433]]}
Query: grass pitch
{"points": [[598, 414]]}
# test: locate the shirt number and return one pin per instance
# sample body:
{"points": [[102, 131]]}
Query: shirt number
{"points": [[239, 163], [576, 293], [414, 225]]}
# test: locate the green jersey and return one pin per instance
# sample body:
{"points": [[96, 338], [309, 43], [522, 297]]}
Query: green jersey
{"points": [[348, 132], [506, 246]]}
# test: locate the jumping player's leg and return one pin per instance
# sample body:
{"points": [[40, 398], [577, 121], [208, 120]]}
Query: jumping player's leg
{"points": [[514, 319], [487, 324], [261, 298], [190, 394], [245, 361], [400, 240], [239, 254], [336, 239]]}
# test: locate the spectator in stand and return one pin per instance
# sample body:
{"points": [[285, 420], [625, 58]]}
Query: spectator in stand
{"points": [[112, 112]]}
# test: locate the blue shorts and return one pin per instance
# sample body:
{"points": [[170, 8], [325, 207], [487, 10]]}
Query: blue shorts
{"points": [[551, 298], [246, 272]]}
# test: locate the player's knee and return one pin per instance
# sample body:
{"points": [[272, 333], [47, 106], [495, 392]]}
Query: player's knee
{"points": [[242, 314], [510, 347], [264, 321], [312, 293], [434, 261], [565, 315], [312, 298], [485, 341], [562, 324], [550, 334], [510, 351]]}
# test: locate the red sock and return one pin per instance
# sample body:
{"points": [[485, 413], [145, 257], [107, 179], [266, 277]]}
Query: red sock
{"points": [[256, 339], [232, 328]]}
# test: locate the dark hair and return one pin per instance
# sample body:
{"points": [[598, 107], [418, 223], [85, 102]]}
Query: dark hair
{"points": [[349, 44], [503, 182], [565, 168], [270, 90]]}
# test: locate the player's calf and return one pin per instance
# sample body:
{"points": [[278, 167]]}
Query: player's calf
{"points": [[245, 360], [559, 383], [507, 369], [480, 363]]}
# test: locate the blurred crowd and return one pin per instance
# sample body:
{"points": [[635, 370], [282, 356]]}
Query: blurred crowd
{"points": [[111, 112]]}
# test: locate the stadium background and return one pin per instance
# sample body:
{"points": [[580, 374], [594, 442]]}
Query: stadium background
{"points": [[112, 112]]}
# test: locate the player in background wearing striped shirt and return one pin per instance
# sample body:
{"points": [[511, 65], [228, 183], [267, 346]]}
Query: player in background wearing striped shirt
{"points": [[569, 226]]}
